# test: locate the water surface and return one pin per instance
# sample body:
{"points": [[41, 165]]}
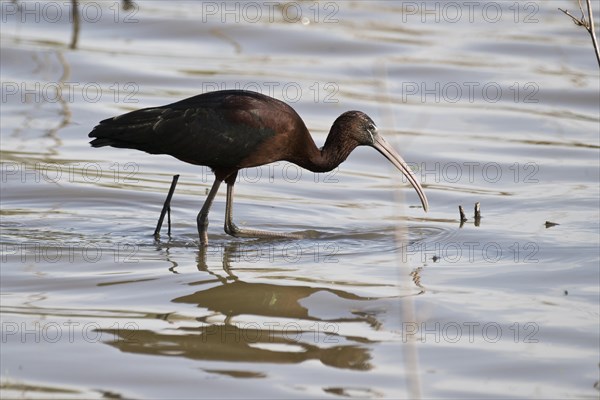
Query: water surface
{"points": [[495, 103]]}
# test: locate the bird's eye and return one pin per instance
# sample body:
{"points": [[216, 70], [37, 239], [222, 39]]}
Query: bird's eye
{"points": [[372, 128]]}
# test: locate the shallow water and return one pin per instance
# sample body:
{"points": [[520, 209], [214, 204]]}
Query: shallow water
{"points": [[490, 102]]}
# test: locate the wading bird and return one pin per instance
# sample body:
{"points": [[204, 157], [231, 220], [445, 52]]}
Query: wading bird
{"points": [[233, 129]]}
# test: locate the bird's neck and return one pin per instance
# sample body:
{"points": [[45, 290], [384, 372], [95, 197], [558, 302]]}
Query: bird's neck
{"points": [[332, 154]]}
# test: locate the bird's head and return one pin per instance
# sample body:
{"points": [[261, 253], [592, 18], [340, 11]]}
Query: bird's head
{"points": [[356, 127], [360, 130]]}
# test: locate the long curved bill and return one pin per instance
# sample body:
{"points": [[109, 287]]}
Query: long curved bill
{"points": [[388, 152]]}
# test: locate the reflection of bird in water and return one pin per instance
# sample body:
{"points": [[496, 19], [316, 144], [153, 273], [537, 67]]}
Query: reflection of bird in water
{"points": [[263, 323], [234, 129], [239, 343], [244, 298], [283, 322]]}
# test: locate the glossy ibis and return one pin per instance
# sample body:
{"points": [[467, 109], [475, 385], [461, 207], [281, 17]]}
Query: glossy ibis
{"points": [[233, 129]]}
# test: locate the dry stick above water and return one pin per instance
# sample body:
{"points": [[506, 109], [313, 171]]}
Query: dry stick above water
{"points": [[477, 213], [589, 26], [463, 217]]}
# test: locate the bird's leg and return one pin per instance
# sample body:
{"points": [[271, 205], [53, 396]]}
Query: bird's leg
{"points": [[233, 230], [202, 219]]}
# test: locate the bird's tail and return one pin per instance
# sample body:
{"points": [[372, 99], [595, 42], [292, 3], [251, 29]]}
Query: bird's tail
{"points": [[132, 130]]}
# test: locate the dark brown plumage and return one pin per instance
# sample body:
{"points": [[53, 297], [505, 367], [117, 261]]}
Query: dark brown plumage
{"points": [[233, 129]]}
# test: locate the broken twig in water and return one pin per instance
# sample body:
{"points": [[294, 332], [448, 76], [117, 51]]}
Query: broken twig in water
{"points": [[166, 208], [463, 217], [477, 213], [588, 25], [477, 216]]}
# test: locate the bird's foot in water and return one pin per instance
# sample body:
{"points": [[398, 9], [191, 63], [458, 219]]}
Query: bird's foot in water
{"points": [[233, 230], [202, 222]]}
